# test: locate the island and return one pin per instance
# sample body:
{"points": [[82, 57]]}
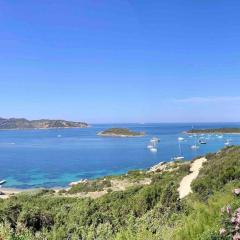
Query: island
{"points": [[215, 131], [22, 123], [120, 132]]}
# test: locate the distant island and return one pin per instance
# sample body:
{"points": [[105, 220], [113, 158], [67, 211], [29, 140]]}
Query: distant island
{"points": [[22, 123], [215, 131], [120, 132]]}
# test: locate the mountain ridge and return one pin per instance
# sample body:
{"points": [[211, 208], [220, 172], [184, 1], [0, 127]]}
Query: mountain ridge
{"points": [[23, 123]]}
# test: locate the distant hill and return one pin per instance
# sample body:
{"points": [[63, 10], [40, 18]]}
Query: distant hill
{"points": [[215, 130], [120, 132], [22, 123]]}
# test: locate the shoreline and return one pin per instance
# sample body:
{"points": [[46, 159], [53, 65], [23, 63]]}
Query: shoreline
{"points": [[16, 129], [11, 191], [211, 133], [8, 192]]}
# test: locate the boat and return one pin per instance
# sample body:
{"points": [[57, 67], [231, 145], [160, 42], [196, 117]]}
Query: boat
{"points": [[155, 140], [153, 143], [202, 141], [195, 146], [180, 157], [2, 182], [181, 139], [77, 182], [150, 146], [153, 149], [227, 143]]}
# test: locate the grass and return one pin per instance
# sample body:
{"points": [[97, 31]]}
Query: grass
{"points": [[204, 217]]}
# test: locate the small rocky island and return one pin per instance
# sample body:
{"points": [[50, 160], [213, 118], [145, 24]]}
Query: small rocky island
{"points": [[215, 131], [120, 132], [22, 123]]}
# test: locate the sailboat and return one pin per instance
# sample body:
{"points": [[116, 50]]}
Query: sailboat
{"points": [[227, 143], [195, 146], [153, 143], [155, 140], [180, 157]]}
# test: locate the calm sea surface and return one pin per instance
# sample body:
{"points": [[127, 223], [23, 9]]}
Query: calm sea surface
{"points": [[49, 158]]}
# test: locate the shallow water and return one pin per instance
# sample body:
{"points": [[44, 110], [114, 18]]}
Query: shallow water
{"points": [[55, 157]]}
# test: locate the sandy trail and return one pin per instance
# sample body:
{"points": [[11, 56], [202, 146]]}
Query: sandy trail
{"points": [[185, 184]]}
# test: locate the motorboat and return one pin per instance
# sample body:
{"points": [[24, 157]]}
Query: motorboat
{"points": [[2, 182], [202, 141]]}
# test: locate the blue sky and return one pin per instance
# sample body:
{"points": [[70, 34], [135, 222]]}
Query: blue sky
{"points": [[120, 61]]}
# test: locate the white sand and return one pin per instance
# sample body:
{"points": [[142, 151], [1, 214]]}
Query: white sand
{"points": [[185, 184], [9, 192]]}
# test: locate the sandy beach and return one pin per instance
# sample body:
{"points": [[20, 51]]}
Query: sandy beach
{"points": [[7, 192]]}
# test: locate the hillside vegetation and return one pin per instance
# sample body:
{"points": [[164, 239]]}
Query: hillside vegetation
{"points": [[152, 211], [22, 123], [214, 130], [121, 132]]}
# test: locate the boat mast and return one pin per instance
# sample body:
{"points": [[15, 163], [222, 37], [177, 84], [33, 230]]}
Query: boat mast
{"points": [[180, 150]]}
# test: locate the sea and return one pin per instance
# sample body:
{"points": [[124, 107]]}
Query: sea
{"points": [[56, 157]]}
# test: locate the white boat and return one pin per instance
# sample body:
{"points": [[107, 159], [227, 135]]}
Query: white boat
{"points": [[178, 158], [220, 137], [153, 149], [153, 143], [181, 139], [155, 140], [227, 143], [2, 182], [150, 146], [77, 182], [194, 147], [202, 141]]}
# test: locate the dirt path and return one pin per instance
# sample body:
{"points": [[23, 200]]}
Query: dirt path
{"points": [[185, 184]]}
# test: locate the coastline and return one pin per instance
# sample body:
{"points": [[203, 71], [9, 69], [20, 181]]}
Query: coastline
{"points": [[16, 129], [211, 133], [8, 192]]}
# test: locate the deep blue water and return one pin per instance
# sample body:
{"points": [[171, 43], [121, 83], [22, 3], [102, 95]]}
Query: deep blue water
{"points": [[49, 158]]}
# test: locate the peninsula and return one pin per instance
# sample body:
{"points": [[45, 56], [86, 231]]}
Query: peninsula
{"points": [[215, 131], [120, 132], [22, 123]]}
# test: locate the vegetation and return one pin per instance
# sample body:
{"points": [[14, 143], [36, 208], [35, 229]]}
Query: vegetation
{"points": [[222, 167], [90, 186], [214, 130], [152, 212], [122, 132], [22, 123]]}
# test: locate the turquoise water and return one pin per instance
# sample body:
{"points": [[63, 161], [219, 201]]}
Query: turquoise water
{"points": [[49, 158]]}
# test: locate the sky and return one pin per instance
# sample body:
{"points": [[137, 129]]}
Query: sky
{"points": [[112, 61]]}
